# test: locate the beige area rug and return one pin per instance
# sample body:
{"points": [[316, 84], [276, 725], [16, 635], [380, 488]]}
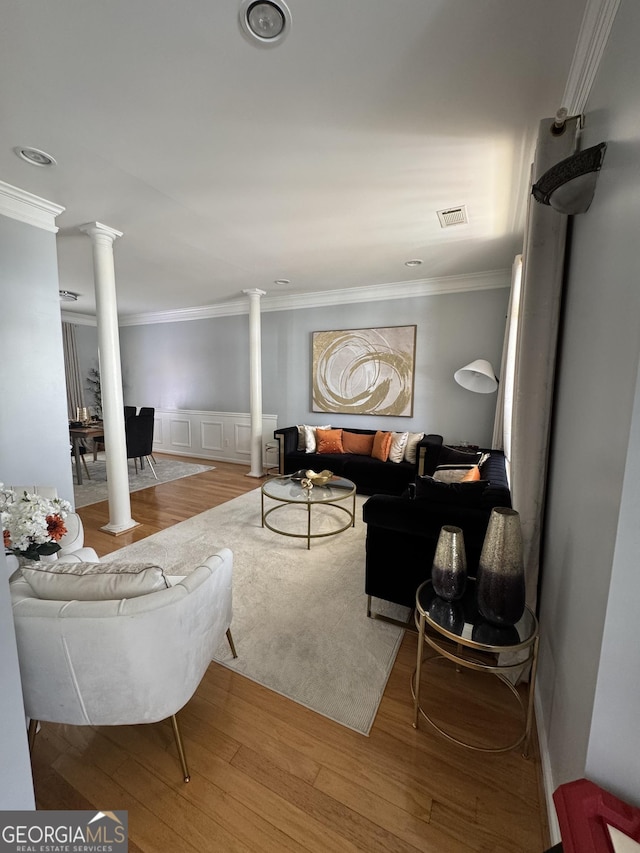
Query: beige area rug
{"points": [[95, 489], [299, 625]]}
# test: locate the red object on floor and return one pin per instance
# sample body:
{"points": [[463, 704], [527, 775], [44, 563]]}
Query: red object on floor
{"points": [[584, 810]]}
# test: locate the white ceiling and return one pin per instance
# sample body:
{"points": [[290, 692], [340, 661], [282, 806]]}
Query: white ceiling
{"points": [[322, 160]]}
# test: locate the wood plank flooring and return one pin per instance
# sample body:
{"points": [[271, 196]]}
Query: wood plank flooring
{"points": [[268, 775]]}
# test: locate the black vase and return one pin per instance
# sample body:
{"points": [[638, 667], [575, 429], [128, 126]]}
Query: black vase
{"points": [[449, 568], [500, 586]]}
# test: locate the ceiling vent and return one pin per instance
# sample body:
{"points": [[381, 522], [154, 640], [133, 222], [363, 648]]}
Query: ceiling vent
{"points": [[453, 216]]}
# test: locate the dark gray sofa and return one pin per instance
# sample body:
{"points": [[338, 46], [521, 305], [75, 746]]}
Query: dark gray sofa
{"points": [[371, 476]]}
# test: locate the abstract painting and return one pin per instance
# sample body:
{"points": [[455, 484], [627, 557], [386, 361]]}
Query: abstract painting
{"points": [[364, 371]]}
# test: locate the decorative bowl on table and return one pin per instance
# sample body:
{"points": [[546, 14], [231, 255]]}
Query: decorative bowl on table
{"points": [[312, 477]]}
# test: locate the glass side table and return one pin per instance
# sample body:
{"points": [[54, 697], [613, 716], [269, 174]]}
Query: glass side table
{"points": [[457, 632]]}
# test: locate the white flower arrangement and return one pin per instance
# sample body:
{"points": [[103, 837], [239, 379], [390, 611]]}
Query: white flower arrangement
{"points": [[31, 524]]}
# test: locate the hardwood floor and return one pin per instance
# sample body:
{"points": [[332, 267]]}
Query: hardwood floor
{"points": [[269, 775]]}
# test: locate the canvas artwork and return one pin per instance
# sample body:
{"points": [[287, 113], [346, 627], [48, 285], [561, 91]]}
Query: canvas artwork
{"points": [[364, 371]]}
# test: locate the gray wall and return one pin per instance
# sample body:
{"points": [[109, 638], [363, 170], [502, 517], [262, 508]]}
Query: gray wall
{"points": [[204, 364], [34, 443], [34, 430], [590, 655]]}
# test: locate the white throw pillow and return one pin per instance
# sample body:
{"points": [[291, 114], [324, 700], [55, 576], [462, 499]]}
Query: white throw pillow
{"points": [[310, 436], [413, 439], [398, 444], [93, 581], [451, 473]]}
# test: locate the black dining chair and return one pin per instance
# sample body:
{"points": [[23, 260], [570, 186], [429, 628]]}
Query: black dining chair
{"points": [[82, 450], [98, 440], [139, 433], [149, 412]]}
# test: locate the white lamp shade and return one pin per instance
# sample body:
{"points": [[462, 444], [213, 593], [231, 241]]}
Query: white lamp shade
{"points": [[477, 376]]}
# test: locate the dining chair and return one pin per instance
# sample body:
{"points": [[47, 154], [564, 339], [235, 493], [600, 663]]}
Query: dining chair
{"points": [[98, 440], [139, 434]]}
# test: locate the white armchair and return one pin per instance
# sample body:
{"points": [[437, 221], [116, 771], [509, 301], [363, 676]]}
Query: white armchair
{"points": [[121, 662]]}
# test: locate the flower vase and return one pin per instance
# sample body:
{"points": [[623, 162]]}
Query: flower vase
{"points": [[449, 568], [500, 585]]}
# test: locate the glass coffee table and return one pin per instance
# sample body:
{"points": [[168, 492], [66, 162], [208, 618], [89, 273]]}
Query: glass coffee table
{"points": [[338, 493]]}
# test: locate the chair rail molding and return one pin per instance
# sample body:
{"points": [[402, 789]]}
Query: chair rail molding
{"points": [[225, 436]]}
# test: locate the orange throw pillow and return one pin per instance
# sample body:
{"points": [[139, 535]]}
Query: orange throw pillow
{"points": [[381, 445], [329, 441], [354, 442], [472, 475]]}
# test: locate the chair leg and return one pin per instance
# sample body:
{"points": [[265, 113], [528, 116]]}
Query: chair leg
{"points": [[180, 748], [151, 466], [31, 736], [231, 644], [84, 462]]}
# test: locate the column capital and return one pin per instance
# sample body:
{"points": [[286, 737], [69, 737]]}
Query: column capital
{"points": [[255, 292], [97, 230]]}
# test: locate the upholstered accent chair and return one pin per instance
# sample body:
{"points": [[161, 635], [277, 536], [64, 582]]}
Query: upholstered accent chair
{"points": [[118, 661]]}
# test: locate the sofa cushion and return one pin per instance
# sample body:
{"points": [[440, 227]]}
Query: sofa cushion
{"points": [[398, 444], [472, 475], [452, 473], [410, 448], [310, 436], [329, 441], [466, 495], [93, 581], [381, 445], [358, 443]]}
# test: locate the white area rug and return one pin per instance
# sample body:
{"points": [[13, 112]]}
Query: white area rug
{"points": [[95, 489], [300, 624]]}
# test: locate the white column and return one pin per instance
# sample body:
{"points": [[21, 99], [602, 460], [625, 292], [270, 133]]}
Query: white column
{"points": [[102, 238], [255, 382]]}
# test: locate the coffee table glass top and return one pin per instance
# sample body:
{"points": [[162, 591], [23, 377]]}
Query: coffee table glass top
{"points": [[290, 491]]}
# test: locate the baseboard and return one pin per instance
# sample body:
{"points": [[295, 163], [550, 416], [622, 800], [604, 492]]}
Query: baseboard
{"points": [[547, 775]]}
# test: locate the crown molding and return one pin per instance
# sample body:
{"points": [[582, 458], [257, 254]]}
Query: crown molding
{"points": [[375, 293], [78, 319], [596, 25], [25, 207]]}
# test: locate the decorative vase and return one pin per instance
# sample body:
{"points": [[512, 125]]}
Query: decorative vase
{"points": [[500, 586], [449, 569]]}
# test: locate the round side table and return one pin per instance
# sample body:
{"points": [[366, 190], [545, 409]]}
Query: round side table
{"points": [[271, 448], [457, 632]]}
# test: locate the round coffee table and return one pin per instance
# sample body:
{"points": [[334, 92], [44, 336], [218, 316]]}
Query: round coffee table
{"points": [[286, 491]]}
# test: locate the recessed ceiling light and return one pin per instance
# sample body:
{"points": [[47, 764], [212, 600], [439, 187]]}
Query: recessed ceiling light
{"points": [[35, 156], [415, 262], [265, 23], [68, 296], [282, 281]]}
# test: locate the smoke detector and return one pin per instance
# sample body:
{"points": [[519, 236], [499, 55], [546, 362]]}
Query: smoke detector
{"points": [[453, 216]]}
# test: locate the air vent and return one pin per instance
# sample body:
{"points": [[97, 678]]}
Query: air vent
{"points": [[453, 216]]}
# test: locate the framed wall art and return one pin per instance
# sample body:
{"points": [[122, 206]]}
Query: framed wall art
{"points": [[364, 371]]}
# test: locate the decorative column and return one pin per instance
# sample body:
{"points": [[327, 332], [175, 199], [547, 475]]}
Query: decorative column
{"points": [[255, 382], [102, 238]]}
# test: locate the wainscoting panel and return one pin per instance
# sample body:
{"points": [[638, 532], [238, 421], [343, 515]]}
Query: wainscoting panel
{"points": [[208, 435]]}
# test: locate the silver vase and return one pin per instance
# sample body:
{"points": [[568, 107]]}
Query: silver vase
{"points": [[500, 583], [449, 569]]}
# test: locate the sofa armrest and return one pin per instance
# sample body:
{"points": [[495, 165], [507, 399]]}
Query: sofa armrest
{"points": [[427, 453], [287, 439]]}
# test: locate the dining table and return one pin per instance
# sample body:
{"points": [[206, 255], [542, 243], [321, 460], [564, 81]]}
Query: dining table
{"points": [[76, 434]]}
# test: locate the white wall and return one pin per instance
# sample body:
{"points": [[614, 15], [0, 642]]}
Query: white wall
{"points": [[589, 648]]}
